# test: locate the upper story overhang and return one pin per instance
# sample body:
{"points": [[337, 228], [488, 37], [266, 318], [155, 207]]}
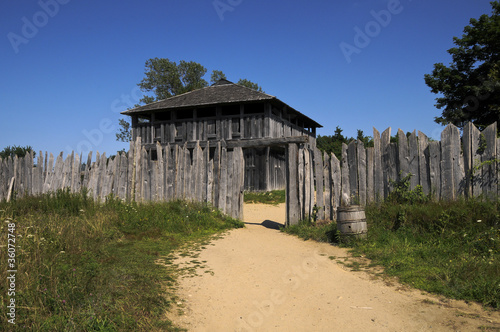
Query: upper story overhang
{"points": [[220, 94]]}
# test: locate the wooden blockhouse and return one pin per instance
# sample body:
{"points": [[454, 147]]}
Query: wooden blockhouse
{"points": [[233, 115]]}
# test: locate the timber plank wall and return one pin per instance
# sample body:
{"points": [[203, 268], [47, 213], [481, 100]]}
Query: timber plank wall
{"points": [[454, 167], [179, 173], [241, 126], [443, 168]]}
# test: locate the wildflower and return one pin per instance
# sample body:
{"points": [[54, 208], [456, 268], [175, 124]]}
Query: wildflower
{"points": [[479, 221], [62, 252], [64, 301]]}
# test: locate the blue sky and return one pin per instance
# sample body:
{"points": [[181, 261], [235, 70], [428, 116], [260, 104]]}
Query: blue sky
{"points": [[68, 67]]}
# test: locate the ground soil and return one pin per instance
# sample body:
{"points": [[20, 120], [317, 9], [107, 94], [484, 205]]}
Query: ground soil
{"points": [[259, 279]]}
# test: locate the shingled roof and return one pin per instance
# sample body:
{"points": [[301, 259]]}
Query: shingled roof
{"points": [[222, 92]]}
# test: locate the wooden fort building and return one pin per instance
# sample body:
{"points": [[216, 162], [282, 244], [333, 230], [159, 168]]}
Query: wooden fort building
{"points": [[233, 115]]}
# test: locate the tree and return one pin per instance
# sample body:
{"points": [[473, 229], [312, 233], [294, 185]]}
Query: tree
{"points": [[165, 78], [332, 143], [470, 85], [216, 76], [367, 140], [250, 84], [124, 133], [12, 151]]}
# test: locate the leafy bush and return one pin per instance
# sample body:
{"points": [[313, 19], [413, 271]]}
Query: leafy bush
{"points": [[401, 193]]}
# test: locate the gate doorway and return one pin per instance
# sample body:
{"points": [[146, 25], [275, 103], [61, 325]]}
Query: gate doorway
{"points": [[298, 176]]}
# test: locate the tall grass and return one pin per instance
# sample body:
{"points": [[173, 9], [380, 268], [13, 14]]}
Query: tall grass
{"points": [[449, 248], [89, 266]]}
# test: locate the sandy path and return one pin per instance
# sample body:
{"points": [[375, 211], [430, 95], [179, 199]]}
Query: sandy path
{"points": [[263, 280]]}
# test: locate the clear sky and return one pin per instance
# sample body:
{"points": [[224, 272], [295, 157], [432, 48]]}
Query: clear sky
{"points": [[68, 67]]}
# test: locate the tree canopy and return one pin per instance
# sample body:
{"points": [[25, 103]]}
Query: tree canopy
{"points": [[470, 85], [216, 76], [250, 84], [124, 133], [165, 78], [333, 143], [12, 151]]}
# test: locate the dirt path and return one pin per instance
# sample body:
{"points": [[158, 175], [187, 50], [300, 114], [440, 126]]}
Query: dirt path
{"points": [[259, 279]]}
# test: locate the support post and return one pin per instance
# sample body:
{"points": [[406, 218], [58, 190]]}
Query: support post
{"points": [[292, 186]]}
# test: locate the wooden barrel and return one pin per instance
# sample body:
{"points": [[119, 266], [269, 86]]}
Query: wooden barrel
{"points": [[351, 222]]}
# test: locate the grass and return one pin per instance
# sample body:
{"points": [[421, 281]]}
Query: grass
{"points": [[448, 248], [274, 197], [309, 230], [89, 266]]}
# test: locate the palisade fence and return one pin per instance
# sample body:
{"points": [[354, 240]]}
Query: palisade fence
{"points": [[178, 173], [451, 168], [315, 182]]}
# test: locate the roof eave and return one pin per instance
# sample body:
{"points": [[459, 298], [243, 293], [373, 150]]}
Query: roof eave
{"points": [[148, 108]]}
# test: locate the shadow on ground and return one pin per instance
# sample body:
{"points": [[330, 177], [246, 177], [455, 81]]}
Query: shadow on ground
{"points": [[267, 224]]}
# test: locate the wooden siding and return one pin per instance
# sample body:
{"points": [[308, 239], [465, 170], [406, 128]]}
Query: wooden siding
{"points": [[219, 127], [264, 169]]}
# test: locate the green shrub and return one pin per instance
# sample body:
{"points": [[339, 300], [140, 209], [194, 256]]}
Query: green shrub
{"points": [[402, 194]]}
